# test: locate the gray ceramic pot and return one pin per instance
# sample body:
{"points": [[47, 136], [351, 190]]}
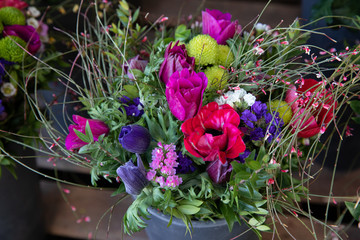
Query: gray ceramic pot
{"points": [[157, 229]]}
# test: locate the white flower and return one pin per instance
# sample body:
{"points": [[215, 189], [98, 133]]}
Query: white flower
{"points": [[8, 90], [262, 27], [231, 97], [33, 12], [240, 93], [249, 99], [220, 100], [33, 22]]}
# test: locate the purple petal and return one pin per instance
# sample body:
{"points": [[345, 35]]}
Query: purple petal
{"points": [[219, 172], [26, 33], [210, 25], [227, 33], [72, 141], [97, 127], [175, 59], [135, 138], [184, 93], [219, 15], [134, 177]]}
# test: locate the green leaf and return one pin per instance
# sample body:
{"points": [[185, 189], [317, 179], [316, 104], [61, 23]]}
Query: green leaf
{"points": [[112, 56], [355, 106], [247, 206], [88, 131], [237, 167], [266, 158], [86, 149], [194, 202], [356, 119], [155, 129], [82, 136], [263, 228], [262, 211], [177, 213], [257, 221], [261, 154], [254, 165], [158, 196], [182, 33], [229, 215], [354, 210], [136, 15], [124, 5], [188, 209]]}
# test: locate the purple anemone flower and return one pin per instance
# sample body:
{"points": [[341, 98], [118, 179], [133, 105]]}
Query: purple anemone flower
{"points": [[134, 138], [134, 177], [133, 107]]}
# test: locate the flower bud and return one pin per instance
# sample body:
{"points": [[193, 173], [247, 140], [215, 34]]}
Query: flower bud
{"points": [[134, 138], [134, 177]]}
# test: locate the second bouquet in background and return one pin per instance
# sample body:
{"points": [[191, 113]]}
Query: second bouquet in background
{"points": [[203, 122]]}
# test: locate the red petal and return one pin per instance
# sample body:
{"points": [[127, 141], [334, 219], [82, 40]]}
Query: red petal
{"points": [[223, 116]]}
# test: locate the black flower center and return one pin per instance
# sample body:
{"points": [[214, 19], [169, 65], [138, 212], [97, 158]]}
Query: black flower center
{"points": [[214, 132]]}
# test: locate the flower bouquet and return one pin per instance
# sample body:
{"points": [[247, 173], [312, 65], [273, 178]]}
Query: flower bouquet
{"points": [[202, 121], [23, 40]]}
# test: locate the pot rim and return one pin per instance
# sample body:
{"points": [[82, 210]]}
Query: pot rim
{"points": [[178, 222]]}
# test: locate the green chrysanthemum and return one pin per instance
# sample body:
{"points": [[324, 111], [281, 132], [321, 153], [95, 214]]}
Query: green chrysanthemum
{"points": [[217, 77], [1, 27], [283, 109], [224, 57], [10, 51], [11, 16], [203, 48]]}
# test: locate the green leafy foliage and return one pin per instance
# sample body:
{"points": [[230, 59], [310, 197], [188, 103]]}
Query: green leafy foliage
{"points": [[355, 106], [354, 209], [182, 34]]}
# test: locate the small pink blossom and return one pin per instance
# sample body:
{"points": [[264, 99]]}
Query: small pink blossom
{"points": [[348, 132], [173, 181], [164, 162], [160, 180], [168, 170], [271, 181]]}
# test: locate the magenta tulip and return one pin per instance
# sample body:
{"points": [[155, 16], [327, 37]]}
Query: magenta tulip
{"points": [[184, 93], [26, 33], [175, 59], [97, 127], [218, 25], [134, 63]]}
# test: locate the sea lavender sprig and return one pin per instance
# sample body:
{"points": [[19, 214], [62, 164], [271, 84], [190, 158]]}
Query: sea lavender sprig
{"points": [[163, 166]]}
